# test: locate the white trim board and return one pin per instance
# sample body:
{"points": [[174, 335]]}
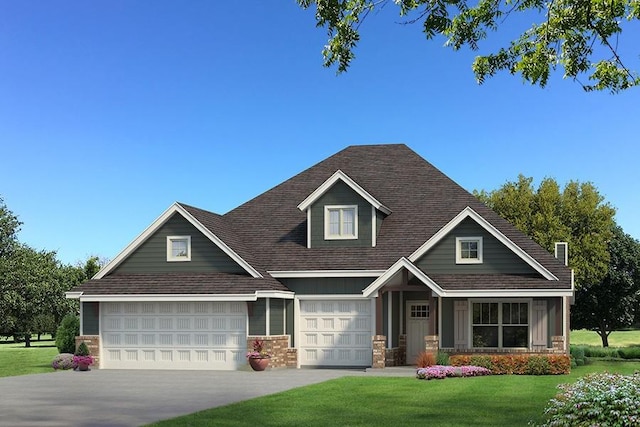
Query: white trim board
{"points": [[470, 213], [373, 288], [339, 175], [293, 274], [159, 222]]}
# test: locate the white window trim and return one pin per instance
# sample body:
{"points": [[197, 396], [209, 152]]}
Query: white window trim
{"points": [[500, 325], [328, 236], [170, 257], [459, 259]]}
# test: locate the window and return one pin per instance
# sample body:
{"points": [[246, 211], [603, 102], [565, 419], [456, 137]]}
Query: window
{"points": [[419, 311], [500, 325], [468, 250], [178, 248], [341, 222]]}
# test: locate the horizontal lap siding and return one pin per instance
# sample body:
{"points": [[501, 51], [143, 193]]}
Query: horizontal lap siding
{"points": [[328, 285], [497, 258], [151, 256]]}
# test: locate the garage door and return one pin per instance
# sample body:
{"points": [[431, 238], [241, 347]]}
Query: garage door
{"points": [[173, 335], [335, 333]]}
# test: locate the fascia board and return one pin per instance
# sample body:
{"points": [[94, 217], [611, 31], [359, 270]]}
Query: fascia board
{"points": [[508, 293], [377, 284], [468, 212], [275, 294], [339, 175], [72, 295], [167, 297], [298, 274]]}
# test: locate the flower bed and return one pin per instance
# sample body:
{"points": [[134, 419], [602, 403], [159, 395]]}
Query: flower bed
{"points": [[441, 372], [524, 364]]}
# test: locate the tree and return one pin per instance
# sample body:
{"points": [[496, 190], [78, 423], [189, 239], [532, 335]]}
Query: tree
{"points": [[577, 215], [581, 36], [611, 303], [9, 227]]}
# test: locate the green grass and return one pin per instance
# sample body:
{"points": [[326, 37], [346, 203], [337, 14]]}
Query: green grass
{"points": [[15, 359], [616, 339], [508, 400]]}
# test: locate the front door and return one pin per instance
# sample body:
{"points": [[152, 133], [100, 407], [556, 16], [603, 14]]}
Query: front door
{"points": [[417, 328]]}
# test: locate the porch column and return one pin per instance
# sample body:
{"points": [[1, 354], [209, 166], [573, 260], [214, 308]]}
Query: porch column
{"points": [[432, 312], [379, 314]]}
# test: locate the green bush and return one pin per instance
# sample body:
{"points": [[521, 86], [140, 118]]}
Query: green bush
{"points": [[538, 365], [442, 358], [629, 352], [82, 350], [66, 334], [600, 399], [578, 354], [592, 351]]}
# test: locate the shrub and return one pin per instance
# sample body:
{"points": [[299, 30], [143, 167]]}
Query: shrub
{"points": [[442, 358], [596, 399], [425, 359], [66, 334], [82, 349], [592, 351], [629, 352], [523, 364], [578, 353], [441, 372], [63, 361]]}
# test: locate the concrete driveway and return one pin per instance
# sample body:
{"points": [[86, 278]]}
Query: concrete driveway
{"points": [[132, 398]]}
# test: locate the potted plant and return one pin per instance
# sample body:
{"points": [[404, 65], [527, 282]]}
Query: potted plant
{"points": [[258, 358], [82, 359]]}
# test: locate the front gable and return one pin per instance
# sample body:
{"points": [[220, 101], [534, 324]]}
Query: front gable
{"points": [[151, 256], [495, 257]]}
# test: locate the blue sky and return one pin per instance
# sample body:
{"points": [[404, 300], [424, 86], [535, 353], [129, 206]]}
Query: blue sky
{"points": [[112, 110]]}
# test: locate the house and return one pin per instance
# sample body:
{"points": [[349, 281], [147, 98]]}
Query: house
{"points": [[365, 259]]}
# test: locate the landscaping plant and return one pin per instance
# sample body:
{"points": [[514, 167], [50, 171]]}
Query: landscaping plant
{"points": [[441, 372], [599, 399], [67, 332], [425, 359], [63, 361]]}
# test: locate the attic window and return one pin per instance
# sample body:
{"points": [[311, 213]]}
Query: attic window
{"points": [[341, 222], [178, 248], [468, 250]]}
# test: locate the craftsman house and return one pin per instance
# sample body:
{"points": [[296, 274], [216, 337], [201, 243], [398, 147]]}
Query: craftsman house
{"points": [[365, 259]]}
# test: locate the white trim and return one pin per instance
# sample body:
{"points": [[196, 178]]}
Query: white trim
{"points": [[186, 297], [293, 274], [565, 261], [170, 257], [341, 234], [508, 293], [330, 297], [339, 175], [82, 318], [470, 213], [373, 288], [439, 325], [175, 208], [72, 295], [460, 259], [267, 314], [309, 229], [374, 224], [275, 294], [296, 326]]}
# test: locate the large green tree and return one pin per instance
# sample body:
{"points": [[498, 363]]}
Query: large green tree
{"points": [[580, 36], [610, 304]]}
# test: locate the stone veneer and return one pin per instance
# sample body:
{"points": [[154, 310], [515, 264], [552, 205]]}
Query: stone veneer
{"points": [[282, 356], [93, 344]]}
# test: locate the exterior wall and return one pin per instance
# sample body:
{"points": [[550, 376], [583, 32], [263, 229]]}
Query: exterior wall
{"points": [[282, 356], [276, 316], [447, 326], [90, 318], [93, 344], [258, 317], [340, 194], [379, 351], [328, 285], [497, 258], [151, 256]]}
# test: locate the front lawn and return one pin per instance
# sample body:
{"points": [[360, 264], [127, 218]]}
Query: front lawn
{"points": [[15, 359], [505, 400], [616, 339]]}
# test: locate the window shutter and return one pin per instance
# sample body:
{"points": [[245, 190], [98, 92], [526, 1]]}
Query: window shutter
{"points": [[539, 327], [461, 324]]}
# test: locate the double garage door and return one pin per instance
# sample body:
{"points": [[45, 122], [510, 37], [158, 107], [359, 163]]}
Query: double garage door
{"points": [[174, 335], [335, 333]]}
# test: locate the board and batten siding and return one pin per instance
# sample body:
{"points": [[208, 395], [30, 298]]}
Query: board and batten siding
{"points": [[496, 257], [327, 285], [151, 256], [340, 194], [90, 318]]}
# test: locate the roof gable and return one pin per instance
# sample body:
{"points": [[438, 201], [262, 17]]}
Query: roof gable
{"points": [[470, 213], [341, 176], [176, 208]]}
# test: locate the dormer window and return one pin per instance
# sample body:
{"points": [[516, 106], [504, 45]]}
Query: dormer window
{"points": [[178, 248], [341, 222], [468, 250]]}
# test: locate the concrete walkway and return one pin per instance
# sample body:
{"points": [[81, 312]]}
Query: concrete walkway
{"points": [[132, 398]]}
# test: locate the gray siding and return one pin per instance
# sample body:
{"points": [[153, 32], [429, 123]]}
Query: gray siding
{"points": [[328, 285], [289, 318], [276, 313], [90, 318], [151, 256], [447, 323], [258, 317], [340, 194], [497, 258]]}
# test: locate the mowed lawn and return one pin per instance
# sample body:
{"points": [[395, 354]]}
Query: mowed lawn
{"points": [[616, 339], [508, 400], [15, 359]]}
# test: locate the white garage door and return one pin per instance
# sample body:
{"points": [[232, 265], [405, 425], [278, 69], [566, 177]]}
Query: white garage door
{"points": [[335, 333], [173, 335]]}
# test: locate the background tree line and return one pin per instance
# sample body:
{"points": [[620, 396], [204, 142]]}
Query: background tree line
{"points": [[33, 284]]}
